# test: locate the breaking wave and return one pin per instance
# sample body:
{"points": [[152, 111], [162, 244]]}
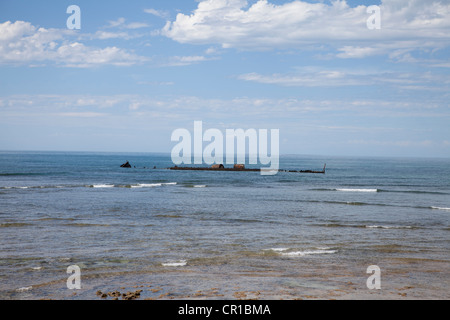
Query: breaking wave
{"points": [[357, 190], [288, 252], [152, 185], [380, 190], [180, 263], [440, 208], [96, 186], [340, 225], [102, 186]]}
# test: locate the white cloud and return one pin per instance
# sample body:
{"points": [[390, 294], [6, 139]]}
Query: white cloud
{"points": [[156, 83], [358, 52], [123, 30], [211, 50], [441, 65], [13, 31], [116, 23], [356, 120], [23, 43], [289, 108], [399, 143], [104, 35], [81, 114], [320, 77], [137, 25], [250, 109], [121, 23], [176, 61], [235, 23], [157, 13], [310, 78], [94, 101], [78, 55]]}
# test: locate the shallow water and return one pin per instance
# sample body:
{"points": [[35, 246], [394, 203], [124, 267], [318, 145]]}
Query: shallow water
{"points": [[201, 234]]}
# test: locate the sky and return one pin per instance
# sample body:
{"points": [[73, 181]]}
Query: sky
{"points": [[318, 71]]}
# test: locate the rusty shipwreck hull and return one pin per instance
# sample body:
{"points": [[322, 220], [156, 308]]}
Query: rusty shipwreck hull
{"points": [[241, 169]]}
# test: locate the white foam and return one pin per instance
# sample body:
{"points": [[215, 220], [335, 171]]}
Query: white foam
{"points": [[358, 190], [147, 185], [152, 185], [307, 252], [278, 249], [36, 268], [440, 208], [103, 186], [389, 227], [199, 186], [23, 289], [180, 263]]}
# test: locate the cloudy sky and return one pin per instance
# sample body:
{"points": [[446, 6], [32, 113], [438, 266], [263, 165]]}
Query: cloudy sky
{"points": [[137, 70]]}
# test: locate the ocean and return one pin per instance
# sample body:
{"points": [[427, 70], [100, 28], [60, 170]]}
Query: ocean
{"points": [[223, 235]]}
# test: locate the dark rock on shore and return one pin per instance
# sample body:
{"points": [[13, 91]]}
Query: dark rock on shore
{"points": [[116, 294], [131, 295]]}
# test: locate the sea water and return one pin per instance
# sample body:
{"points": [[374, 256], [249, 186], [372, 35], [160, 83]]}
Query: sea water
{"points": [[211, 234]]}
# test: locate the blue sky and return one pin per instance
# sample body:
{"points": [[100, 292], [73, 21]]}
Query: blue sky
{"points": [[138, 70]]}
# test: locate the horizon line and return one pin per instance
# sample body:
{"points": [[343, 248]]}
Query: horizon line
{"points": [[281, 154]]}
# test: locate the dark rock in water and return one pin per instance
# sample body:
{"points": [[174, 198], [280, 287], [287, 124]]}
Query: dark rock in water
{"points": [[126, 165]]}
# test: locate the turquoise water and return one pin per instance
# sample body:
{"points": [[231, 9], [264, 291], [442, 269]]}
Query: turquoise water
{"points": [[284, 235]]}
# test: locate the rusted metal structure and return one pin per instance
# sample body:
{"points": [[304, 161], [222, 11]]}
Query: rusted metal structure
{"points": [[220, 167]]}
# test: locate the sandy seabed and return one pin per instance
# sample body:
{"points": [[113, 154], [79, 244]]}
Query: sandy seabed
{"points": [[406, 280]]}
